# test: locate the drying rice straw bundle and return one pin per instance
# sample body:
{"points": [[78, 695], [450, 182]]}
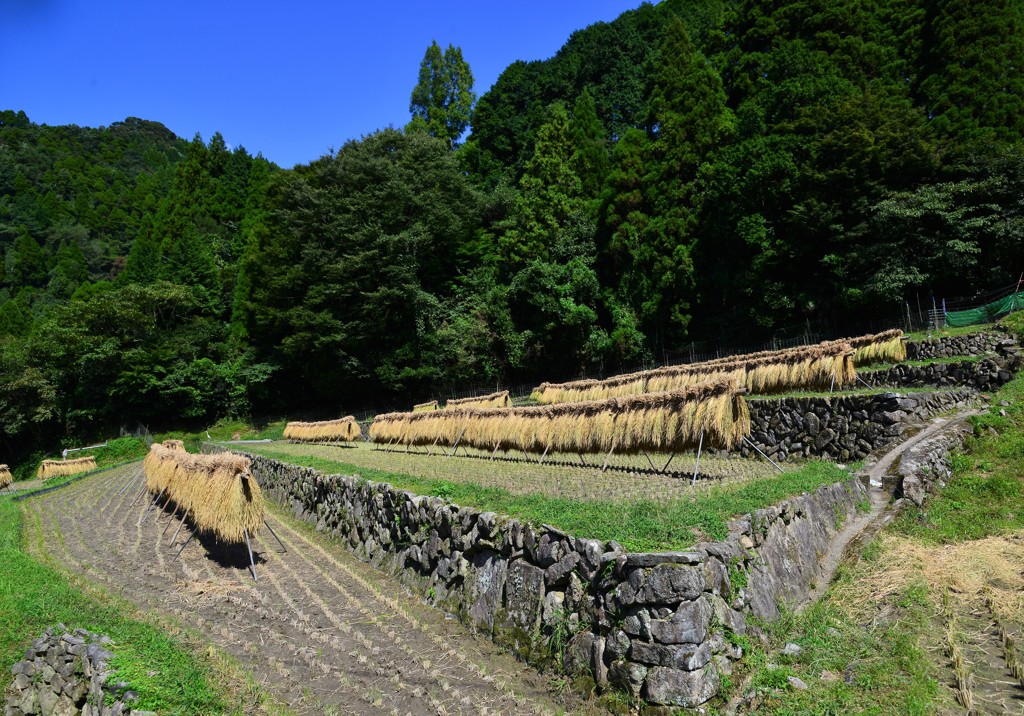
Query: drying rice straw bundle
{"points": [[500, 399], [50, 469], [218, 492], [425, 407], [658, 421], [5, 476], [818, 366], [178, 445], [342, 430], [160, 468], [885, 347]]}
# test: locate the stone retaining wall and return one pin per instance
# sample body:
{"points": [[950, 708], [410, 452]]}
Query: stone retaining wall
{"points": [[66, 673], [924, 468], [974, 344], [986, 375], [842, 427], [658, 626]]}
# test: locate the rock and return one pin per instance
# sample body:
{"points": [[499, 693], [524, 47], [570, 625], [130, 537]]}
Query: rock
{"points": [[553, 611], [671, 584], [627, 676], [484, 588], [579, 654], [557, 575], [791, 649], [524, 594], [687, 657], [674, 687], [689, 625], [654, 559], [796, 683]]}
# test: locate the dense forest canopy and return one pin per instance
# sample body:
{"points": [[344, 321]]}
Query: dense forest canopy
{"points": [[693, 169]]}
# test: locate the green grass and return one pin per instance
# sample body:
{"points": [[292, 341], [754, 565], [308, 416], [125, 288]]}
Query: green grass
{"points": [[948, 332], [34, 596], [852, 391], [932, 361], [986, 494], [639, 525], [879, 667]]}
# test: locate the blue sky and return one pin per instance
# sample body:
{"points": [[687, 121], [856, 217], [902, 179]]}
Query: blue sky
{"points": [[288, 79]]}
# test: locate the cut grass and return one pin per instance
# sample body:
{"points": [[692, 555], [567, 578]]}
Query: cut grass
{"points": [[34, 596], [639, 525]]}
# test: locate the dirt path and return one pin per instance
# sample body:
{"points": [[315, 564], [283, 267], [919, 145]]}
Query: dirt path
{"points": [[322, 631], [858, 532]]}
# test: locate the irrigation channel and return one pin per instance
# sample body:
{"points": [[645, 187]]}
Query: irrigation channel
{"points": [[321, 631]]}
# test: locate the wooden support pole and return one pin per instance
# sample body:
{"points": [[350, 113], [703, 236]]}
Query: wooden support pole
{"points": [[267, 525], [252, 562], [457, 441], [670, 459], [649, 460], [169, 522], [128, 484], [152, 505], [751, 444], [541, 460], [180, 525], [696, 467], [608, 459], [190, 538], [495, 452], [585, 463]]}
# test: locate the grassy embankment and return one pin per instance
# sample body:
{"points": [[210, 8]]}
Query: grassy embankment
{"points": [[170, 669], [874, 643]]}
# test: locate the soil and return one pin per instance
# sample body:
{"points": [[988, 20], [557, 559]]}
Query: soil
{"points": [[321, 631]]}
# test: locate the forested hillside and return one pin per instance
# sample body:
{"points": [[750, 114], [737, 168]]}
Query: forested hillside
{"points": [[694, 169]]}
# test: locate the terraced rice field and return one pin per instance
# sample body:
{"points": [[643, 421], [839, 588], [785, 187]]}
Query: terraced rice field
{"points": [[324, 633], [560, 476]]}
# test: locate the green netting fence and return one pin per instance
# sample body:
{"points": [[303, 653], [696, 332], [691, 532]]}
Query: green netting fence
{"points": [[987, 313]]}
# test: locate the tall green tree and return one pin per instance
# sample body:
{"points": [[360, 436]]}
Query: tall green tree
{"points": [[973, 73], [442, 100]]}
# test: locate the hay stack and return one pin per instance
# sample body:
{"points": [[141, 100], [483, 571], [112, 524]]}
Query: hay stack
{"points": [[342, 430], [660, 421], [885, 347], [500, 399], [5, 477], [425, 407], [50, 469], [218, 492], [767, 372], [178, 445]]}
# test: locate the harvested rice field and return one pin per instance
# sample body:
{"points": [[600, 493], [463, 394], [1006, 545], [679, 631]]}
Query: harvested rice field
{"points": [[320, 631], [628, 478], [642, 512]]}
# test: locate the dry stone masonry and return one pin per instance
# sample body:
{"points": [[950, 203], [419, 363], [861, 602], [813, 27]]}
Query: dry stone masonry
{"points": [[842, 427], [65, 673], [985, 375], [924, 468], [660, 626], [974, 344]]}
